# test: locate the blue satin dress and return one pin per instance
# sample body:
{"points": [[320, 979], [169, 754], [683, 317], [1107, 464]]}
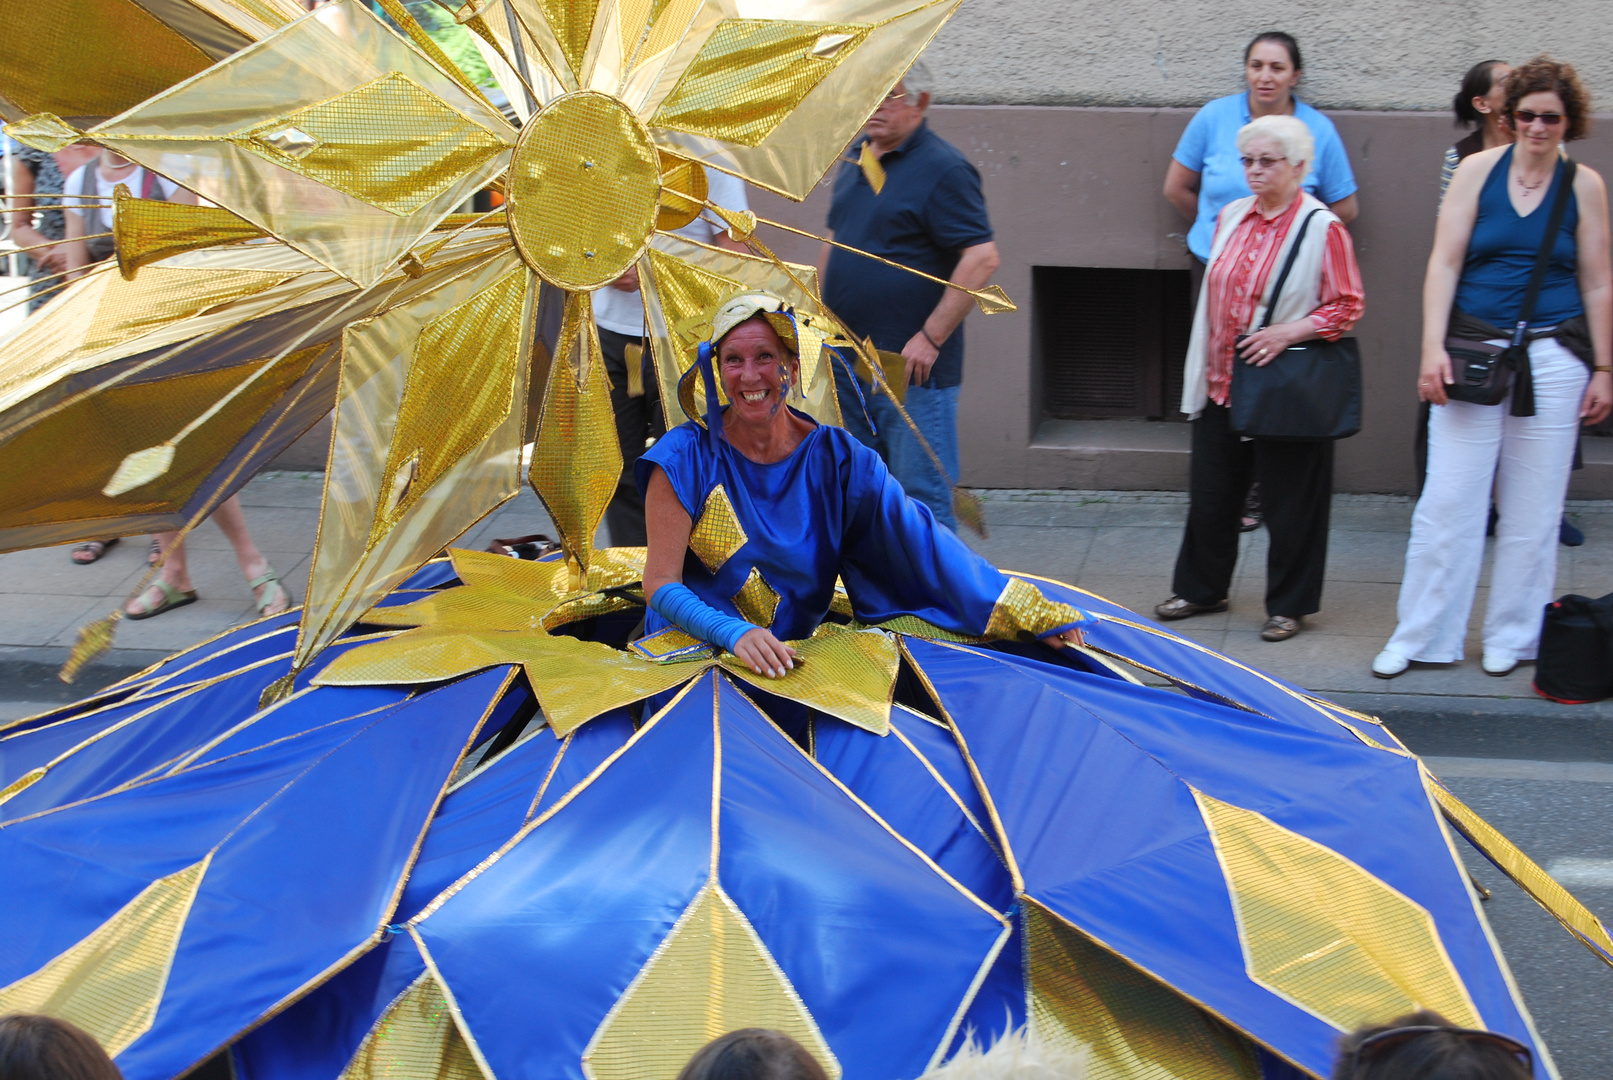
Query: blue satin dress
{"points": [[830, 509]]}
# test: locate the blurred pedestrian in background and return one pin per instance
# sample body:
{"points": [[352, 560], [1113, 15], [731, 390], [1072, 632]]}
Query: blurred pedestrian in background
{"points": [[1491, 227], [1321, 298], [1426, 1046], [35, 218], [619, 316], [44, 1048], [929, 214]]}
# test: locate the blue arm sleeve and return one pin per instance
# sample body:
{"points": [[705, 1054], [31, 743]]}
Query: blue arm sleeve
{"points": [[677, 604]]}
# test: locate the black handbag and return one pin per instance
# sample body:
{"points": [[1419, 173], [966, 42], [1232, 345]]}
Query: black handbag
{"points": [[1311, 393], [1485, 372], [1575, 663]]}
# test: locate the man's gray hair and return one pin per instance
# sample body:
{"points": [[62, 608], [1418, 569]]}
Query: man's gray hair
{"points": [[1288, 132], [918, 80]]}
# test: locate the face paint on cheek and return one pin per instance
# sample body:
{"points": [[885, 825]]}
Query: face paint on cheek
{"points": [[783, 391]]}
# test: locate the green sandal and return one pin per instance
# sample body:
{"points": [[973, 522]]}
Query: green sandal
{"points": [[171, 598], [270, 576]]}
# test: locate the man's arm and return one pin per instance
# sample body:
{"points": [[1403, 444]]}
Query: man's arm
{"points": [[976, 264]]}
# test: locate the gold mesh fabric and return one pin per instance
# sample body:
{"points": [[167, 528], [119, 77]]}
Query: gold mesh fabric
{"points": [[461, 387], [56, 468], [751, 73], [1527, 873], [390, 143], [718, 534], [572, 22], [756, 600], [683, 192], [150, 230], [109, 983], [672, 645], [712, 975], [850, 676], [89, 58], [583, 190], [1022, 612], [1131, 1027], [913, 626], [416, 1038], [587, 606], [1322, 932], [577, 461]]}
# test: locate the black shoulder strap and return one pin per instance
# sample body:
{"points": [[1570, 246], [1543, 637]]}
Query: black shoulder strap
{"points": [[1559, 206], [1282, 278]]}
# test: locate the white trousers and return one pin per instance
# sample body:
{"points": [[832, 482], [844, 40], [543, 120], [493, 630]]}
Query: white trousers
{"points": [[1528, 460]]}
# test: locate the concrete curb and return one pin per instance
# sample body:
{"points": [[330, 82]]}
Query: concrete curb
{"points": [[29, 674], [1491, 727]]}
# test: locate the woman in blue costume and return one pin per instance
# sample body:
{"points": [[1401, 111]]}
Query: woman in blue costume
{"points": [[754, 512]]}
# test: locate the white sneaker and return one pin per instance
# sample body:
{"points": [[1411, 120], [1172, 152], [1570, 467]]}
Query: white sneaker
{"points": [[1388, 664], [1498, 665]]}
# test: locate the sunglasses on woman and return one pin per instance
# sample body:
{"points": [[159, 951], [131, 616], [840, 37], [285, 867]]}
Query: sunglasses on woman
{"points": [[1550, 119], [1263, 162], [1373, 1045]]}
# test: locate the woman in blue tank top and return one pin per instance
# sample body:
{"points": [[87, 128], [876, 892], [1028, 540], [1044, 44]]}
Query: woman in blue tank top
{"points": [[1491, 228]]}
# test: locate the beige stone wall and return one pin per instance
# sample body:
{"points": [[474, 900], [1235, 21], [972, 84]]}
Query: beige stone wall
{"points": [[1367, 54]]}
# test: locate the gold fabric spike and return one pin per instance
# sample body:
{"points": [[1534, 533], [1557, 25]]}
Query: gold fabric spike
{"points": [[1325, 934], [684, 190], [426, 44], [756, 600], [851, 676], [873, 171], [1022, 613], [688, 295], [993, 301], [42, 131], [577, 461], [750, 74], [633, 354], [741, 223], [390, 143], [459, 357], [277, 691], [672, 646], [1528, 874], [573, 23], [718, 534], [94, 638], [23, 782], [139, 469], [711, 975], [110, 983], [150, 230], [1086, 999], [966, 508], [415, 1037]]}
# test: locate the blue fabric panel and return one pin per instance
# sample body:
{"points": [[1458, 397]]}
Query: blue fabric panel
{"points": [[110, 696], [590, 744], [999, 1005], [886, 775], [539, 946], [863, 928], [32, 747], [433, 575], [240, 646], [399, 597], [303, 871]]}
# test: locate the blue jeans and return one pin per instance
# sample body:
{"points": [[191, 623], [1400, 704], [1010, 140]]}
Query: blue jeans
{"points": [[935, 411]]}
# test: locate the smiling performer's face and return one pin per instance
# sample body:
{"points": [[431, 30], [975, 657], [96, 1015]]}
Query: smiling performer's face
{"points": [[757, 370]]}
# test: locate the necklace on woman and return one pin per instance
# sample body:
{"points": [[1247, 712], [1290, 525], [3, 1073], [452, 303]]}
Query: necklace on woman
{"points": [[1530, 189]]}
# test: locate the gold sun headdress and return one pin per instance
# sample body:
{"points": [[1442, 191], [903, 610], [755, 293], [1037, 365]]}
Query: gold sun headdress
{"points": [[331, 266]]}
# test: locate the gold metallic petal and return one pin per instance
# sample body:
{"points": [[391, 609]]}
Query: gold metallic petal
{"points": [[416, 1037], [711, 975], [576, 681], [109, 983], [572, 22], [1130, 1027], [751, 73], [684, 191], [718, 535], [756, 600], [851, 676], [1322, 932], [145, 231], [1022, 613], [43, 131]]}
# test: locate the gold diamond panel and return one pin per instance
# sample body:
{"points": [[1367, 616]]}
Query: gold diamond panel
{"points": [[751, 73], [756, 600], [1131, 1027], [460, 388], [718, 534], [1022, 613], [583, 188], [672, 645], [851, 676], [1325, 934], [416, 1038], [150, 230], [109, 984], [711, 976], [390, 143]]}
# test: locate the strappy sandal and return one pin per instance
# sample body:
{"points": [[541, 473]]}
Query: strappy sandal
{"points": [[94, 549], [270, 576], [171, 598]]}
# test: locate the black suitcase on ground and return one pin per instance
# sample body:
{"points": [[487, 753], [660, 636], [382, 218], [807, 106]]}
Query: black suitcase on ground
{"points": [[1575, 664]]}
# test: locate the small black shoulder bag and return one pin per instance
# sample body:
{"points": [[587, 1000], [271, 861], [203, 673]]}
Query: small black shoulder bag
{"points": [[1311, 393]]}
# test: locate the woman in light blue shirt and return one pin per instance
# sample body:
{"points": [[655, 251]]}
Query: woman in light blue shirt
{"points": [[1205, 173]]}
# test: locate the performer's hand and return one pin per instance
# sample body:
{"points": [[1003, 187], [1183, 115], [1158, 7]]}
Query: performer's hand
{"points": [[764, 654], [628, 282], [1072, 636], [920, 356]]}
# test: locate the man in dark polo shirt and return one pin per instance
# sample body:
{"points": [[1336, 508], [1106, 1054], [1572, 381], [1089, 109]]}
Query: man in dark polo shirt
{"points": [[929, 215]]}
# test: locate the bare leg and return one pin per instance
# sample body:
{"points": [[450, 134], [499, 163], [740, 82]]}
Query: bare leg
{"points": [[174, 571], [253, 565]]}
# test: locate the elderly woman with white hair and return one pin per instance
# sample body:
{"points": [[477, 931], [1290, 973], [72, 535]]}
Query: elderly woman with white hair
{"points": [[1321, 298]]}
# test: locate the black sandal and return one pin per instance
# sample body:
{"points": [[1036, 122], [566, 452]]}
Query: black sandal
{"points": [[94, 549]]}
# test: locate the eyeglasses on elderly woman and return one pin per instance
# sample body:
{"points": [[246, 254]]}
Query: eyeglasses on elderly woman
{"points": [[1262, 162]]}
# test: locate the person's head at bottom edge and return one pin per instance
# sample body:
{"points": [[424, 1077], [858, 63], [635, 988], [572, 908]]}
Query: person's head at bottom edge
{"points": [[753, 1054], [1425, 1046], [44, 1048]]}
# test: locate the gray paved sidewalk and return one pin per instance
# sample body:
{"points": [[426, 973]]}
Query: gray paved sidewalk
{"points": [[1121, 545]]}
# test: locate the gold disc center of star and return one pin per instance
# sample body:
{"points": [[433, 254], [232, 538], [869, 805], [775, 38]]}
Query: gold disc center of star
{"points": [[582, 189]]}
